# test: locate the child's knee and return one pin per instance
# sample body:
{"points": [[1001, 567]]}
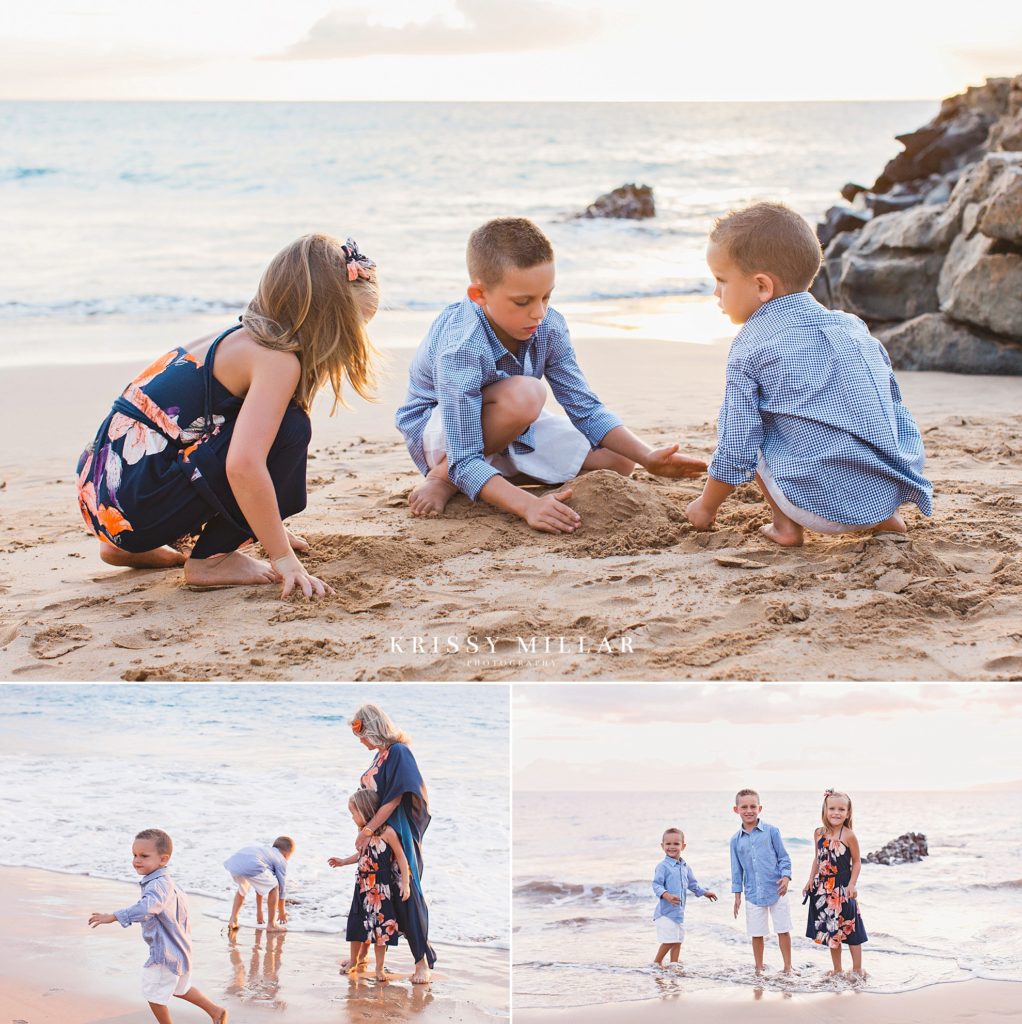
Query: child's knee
{"points": [[526, 397]]}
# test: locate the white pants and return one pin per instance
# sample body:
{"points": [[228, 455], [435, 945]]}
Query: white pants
{"points": [[763, 921], [160, 984], [669, 932], [560, 449], [264, 882], [809, 520]]}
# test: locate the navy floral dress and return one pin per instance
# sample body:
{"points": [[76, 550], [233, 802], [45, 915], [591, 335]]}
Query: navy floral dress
{"points": [[377, 892], [156, 470], [833, 915], [394, 773]]}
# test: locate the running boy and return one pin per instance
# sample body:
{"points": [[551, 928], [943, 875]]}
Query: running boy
{"points": [[263, 868], [163, 914], [672, 881], [811, 406], [761, 867], [474, 411]]}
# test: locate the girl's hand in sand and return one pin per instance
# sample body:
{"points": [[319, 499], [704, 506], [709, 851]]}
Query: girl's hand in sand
{"points": [[698, 515], [667, 462], [549, 515], [293, 574], [98, 919]]}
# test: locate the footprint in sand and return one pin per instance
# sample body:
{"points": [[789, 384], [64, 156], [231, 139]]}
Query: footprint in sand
{"points": [[57, 641]]}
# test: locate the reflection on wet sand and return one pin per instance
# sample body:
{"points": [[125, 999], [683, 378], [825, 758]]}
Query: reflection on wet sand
{"points": [[258, 982]]}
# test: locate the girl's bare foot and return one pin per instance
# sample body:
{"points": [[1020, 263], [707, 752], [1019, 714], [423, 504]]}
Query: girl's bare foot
{"points": [[430, 498], [381, 974], [157, 558], [231, 570], [298, 544], [893, 525], [349, 966], [787, 534]]}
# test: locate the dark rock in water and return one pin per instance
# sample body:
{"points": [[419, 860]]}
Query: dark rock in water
{"points": [[936, 342], [851, 190], [836, 221], [903, 850], [634, 202]]}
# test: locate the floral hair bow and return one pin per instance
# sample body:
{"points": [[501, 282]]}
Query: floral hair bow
{"points": [[356, 725], [357, 264], [828, 792]]}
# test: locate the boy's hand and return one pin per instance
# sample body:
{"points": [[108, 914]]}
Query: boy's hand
{"points": [[98, 919], [282, 915], [667, 462], [699, 515], [549, 515], [259, 917], [671, 898], [738, 903], [710, 895], [782, 886]]}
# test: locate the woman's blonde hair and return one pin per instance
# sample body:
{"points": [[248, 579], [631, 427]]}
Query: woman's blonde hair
{"points": [[306, 304], [375, 725], [823, 810], [366, 802]]}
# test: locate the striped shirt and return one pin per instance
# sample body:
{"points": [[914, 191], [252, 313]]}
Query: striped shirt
{"points": [[163, 914], [815, 392], [459, 357]]}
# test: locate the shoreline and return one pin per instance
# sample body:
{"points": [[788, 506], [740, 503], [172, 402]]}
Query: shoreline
{"points": [[257, 976]]}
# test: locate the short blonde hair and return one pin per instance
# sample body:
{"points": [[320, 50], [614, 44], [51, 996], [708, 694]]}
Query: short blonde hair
{"points": [[366, 802], [502, 244], [672, 832], [746, 792], [376, 726], [823, 810], [770, 238], [305, 304]]}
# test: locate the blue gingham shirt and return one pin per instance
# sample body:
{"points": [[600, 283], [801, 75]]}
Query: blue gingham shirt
{"points": [[675, 877], [459, 357], [815, 392], [254, 860], [163, 914], [758, 862]]}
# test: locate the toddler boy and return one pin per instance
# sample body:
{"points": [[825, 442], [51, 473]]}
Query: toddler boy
{"points": [[474, 411], [263, 868], [811, 407], [672, 881], [761, 867], [163, 914]]}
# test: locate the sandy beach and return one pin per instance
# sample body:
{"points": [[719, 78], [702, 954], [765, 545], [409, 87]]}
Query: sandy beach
{"points": [[56, 971], [635, 594]]}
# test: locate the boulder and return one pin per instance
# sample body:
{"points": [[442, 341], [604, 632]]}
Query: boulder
{"points": [[936, 342], [923, 227], [1002, 215], [631, 201], [903, 850], [894, 284], [987, 292], [851, 190], [837, 220], [890, 203]]}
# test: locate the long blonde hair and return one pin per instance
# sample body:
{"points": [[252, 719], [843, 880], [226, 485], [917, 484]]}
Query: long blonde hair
{"points": [[375, 725], [366, 802], [305, 304], [823, 810]]}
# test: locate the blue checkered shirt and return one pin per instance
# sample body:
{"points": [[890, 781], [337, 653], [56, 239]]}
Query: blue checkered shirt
{"points": [[163, 913], [815, 392], [459, 357]]}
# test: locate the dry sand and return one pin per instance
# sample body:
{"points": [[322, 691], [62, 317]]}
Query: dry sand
{"points": [[55, 970], [971, 1002], [945, 604]]}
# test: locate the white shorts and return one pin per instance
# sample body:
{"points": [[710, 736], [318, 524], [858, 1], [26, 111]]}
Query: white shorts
{"points": [[264, 882], [160, 984], [763, 921], [560, 450], [668, 931], [809, 520]]}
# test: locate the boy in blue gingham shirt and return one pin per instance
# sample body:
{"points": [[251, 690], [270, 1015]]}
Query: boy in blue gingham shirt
{"points": [[474, 411], [811, 407]]}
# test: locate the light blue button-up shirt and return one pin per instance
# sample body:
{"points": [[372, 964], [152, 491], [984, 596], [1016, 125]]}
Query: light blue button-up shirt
{"points": [[675, 877], [815, 392], [254, 860], [459, 357], [163, 913], [758, 862]]}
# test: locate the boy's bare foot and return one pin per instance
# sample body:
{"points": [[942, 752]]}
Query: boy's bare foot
{"points": [[421, 975], [348, 965], [298, 544], [231, 570], [430, 498], [276, 927], [789, 970], [219, 1015], [833, 974], [788, 534], [760, 969], [232, 926], [893, 525], [157, 558]]}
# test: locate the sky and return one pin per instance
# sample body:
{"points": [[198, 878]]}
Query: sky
{"points": [[320, 50], [709, 736]]}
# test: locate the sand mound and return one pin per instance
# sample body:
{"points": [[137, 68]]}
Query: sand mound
{"points": [[621, 516]]}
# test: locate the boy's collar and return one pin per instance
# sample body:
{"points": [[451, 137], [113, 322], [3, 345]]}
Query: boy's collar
{"points": [[498, 347], [154, 874]]}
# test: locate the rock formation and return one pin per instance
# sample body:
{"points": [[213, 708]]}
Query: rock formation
{"points": [[931, 254], [632, 201], [903, 850]]}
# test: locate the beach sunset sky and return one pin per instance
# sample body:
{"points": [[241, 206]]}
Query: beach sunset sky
{"points": [[712, 736], [490, 50]]}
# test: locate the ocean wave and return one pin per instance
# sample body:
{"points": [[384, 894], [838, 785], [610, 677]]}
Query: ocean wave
{"points": [[1011, 883], [122, 305], [548, 890], [21, 173]]}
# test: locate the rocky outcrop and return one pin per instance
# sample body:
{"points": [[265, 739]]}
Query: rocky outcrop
{"points": [[903, 850], [931, 255], [631, 201]]}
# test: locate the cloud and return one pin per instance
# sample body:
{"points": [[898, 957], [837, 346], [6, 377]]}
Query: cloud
{"points": [[490, 26]]}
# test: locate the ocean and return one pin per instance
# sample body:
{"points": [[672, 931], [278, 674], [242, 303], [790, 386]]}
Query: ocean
{"points": [[221, 767], [583, 905], [121, 216]]}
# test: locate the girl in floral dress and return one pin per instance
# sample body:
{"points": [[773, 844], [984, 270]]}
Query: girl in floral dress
{"points": [[218, 449], [382, 866], [832, 893]]}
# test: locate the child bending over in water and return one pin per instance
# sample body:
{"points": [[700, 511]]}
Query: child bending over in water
{"points": [[212, 438]]}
